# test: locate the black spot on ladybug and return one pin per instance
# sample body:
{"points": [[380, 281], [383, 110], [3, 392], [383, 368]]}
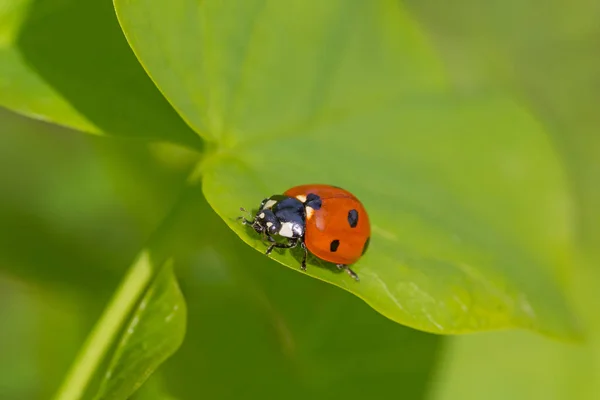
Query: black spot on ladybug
{"points": [[366, 246], [353, 218], [313, 201], [334, 246]]}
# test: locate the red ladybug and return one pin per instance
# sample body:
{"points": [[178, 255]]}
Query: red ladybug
{"points": [[328, 221]]}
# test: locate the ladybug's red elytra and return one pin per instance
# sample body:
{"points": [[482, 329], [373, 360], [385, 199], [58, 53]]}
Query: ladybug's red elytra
{"points": [[328, 221]]}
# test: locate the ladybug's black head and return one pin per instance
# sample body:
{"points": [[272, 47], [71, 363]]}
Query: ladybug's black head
{"points": [[280, 215], [266, 221]]}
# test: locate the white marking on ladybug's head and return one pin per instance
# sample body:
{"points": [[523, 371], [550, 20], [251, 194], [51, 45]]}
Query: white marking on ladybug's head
{"points": [[301, 197], [261, 215], [309, 212], [269, 204], [269, 224], [287, 230]]}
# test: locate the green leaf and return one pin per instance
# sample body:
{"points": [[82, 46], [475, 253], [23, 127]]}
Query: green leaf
{"points": [[67, 62], [468, 205], [153, 389], [155, 331], [264, 67], [149, 313], [556, 71], [461, 242]]}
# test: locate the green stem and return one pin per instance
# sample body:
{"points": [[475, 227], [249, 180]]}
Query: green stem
{"points": [[107, 328]]}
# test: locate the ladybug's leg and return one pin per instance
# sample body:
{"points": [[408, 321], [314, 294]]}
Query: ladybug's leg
{"points": [[291, 243], [267, 237], [348, 270], [303, 265]]}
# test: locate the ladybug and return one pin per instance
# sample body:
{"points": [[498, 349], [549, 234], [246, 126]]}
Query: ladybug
{"points": [[328, 221]]}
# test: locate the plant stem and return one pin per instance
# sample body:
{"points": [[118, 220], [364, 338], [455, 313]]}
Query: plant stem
{"points": [[101, 338]]}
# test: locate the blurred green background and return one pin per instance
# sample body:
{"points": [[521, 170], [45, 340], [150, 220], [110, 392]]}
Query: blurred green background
{"points": [[76, 209]]}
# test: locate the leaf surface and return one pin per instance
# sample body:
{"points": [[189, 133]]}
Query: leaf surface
{"points": [[468, 205]]}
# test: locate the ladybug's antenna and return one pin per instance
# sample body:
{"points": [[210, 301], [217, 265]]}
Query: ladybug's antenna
{"points": [[242, 209], [241, 217]]}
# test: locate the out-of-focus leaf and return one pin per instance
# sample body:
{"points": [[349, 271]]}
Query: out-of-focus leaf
{"points": [[550, 58], [154, 332], [146, 321], [554, 70], [67, 62], [153, 389]]}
